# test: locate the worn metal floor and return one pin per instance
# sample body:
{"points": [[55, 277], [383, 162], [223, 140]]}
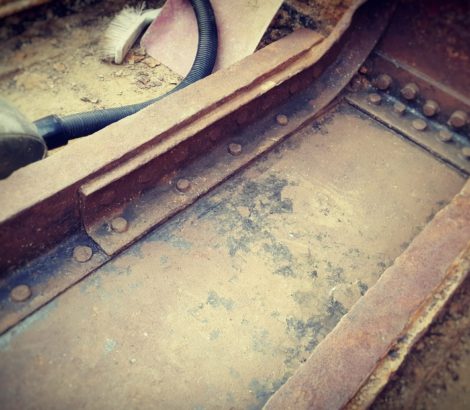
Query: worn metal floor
{"points": [[220, 305]]}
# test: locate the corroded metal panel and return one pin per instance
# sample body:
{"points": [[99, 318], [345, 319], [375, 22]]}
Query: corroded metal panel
{"points": [[220, 305]]}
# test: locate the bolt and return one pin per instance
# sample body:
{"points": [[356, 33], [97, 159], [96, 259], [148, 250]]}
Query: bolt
{"points": [[430, 108], [119, 224], [466, 152], [383, 82], [458, 119], [399, 108], [282, 119], [445, 135], [409, 91], [375, 98], [20, 293], [82, 253], [183, 185], [234, 149], [419, 124]]}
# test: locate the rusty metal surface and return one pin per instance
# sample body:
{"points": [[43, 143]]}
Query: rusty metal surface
{"points": [[415, 126], [217, 307], [141, 186], [352, 351], [432, 37], [36, 219], [47, 210], [449, 300]]}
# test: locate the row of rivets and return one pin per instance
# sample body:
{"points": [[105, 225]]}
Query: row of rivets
{"points": [[410, 92], [183, 185], [23, 292], [419, 124]]}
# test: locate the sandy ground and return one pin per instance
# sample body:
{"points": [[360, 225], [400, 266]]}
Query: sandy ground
{"points": [[50, 60]]}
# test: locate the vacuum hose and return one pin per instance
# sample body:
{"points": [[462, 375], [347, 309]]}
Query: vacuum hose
{"points": [[56, 130]]}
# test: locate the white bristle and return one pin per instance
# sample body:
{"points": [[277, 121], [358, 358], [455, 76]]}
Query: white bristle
{"points": [[123, 30]]}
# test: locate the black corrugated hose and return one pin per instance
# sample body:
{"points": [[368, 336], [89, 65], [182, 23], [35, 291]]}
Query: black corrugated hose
{"points": [[56, 130]]}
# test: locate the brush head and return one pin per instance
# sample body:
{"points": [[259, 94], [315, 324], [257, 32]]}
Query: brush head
{"points": [[123, 30]]}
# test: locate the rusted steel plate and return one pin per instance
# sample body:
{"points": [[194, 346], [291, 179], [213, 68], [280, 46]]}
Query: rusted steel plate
{"points": [[351, 352], [161, 202], [431, 37], [230, 296], [415, 126], [436, 319], [46, 210], [142, 188]]}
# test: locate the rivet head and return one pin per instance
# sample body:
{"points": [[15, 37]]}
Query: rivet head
{"points": [[458, 119], [282, 119], [409, 91], [20, 293], [419, 124], [430, 108], [466, 152], [183, 185], [383, 82], [82, 253], [375, 98], [234, 149], [399, 108], [119, 224], [445, 135]]}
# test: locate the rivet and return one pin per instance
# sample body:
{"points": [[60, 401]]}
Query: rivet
{"points": [[119, 224], [445, 135], [20, 293], [82, 253], [430, 108], [282, 119], [410, 91], [458, 119], [183, 185], [375, 98], [383, 82], [363, 70], [466, 152], [399, 108], [419, 124], [234, 149]]}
